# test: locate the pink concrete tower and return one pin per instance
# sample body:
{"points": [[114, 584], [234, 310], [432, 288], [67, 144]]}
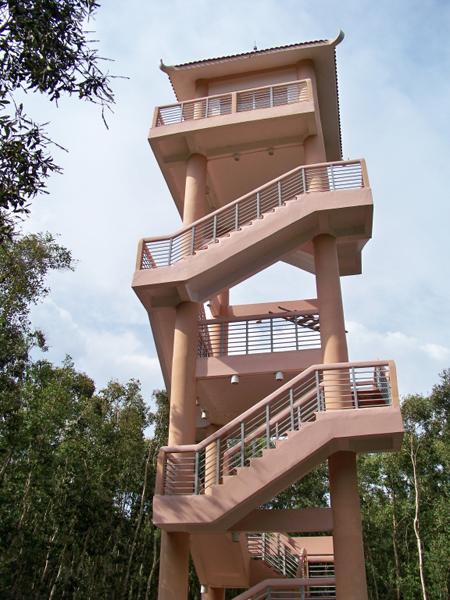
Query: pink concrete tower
{"points": [[260, 394]]}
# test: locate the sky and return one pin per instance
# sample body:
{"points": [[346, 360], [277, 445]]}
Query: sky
{"points": [[394, 86]]}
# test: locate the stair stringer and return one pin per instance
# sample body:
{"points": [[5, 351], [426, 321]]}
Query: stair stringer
{"points": [[365, 430]]}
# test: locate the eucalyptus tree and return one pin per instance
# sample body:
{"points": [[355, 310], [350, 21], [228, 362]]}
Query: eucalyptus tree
{"points": [[45, 48]]}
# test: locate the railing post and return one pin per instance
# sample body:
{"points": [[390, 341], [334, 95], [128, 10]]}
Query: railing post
{"points": [[333, 187], [258, 205], [364, 174], [291, 406], [302, 592], [192, 239], [246, 337], [222, 339], [318, 392], [206, 106], [242, 444], [233, 102], [196, 473], [355, 387], [271, 96], [296, 335], [269, 593], [303, 181], [215, 228], [280, 201], [218, 461], [267, 426], [169, 261], [271, 334], [236, 216]]}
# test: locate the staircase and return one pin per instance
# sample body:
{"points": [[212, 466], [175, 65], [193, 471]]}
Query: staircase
{"points": [[211, 485], [278, 552], [256, 230]]}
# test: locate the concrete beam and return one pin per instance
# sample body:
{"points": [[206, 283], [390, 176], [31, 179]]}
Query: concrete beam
{"points": [[302, 520]]}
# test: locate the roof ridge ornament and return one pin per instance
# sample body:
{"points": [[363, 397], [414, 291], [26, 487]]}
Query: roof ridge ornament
{"points": [[338, 39]]}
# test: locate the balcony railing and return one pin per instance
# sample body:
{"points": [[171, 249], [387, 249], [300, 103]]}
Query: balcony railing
{"points": [[166, 250], [274, 549], [353, 386], [234, 102], [258, 334]]}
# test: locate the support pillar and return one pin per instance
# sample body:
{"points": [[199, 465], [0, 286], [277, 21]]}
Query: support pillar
{"points": [[332, 327], [174, 566], [347, 530], [348, 545], [195, 206], [214, 593], [174, 554]]}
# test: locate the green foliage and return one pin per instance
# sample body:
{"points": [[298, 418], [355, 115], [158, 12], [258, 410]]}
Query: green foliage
{"points": [[44, 48], [389, 504]]}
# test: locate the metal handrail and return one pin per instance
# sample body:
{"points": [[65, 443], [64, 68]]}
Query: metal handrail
{"points": [[259, 333], [268, 96], [192, 469], [321, 568], [163, 251], [292, 589], [276, 551]]}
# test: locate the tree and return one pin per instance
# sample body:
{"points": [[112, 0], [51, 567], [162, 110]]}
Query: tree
{"points": [[405, 499], [44, 48], [24, 264]]}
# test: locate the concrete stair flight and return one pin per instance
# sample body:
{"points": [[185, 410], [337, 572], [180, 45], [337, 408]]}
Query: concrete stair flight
{"points": [[271, 223], [211, 485]]}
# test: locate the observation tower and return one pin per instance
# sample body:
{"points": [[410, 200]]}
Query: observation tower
{"points": [[263, 393]]}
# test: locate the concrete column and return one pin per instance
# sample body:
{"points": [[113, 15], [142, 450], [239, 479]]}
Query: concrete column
{"points": [[314, 153], [183, 388], [174, 556], [332, 327], [347, 530], [211, 460], [214, 593], [174, 566], [195, 205], [305, 70]]}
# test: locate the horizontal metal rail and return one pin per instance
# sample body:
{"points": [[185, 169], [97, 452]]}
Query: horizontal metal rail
{"points": [[164, 251], [351, 386], [275, 551], [291, 589], [258, 334], [320, 569], [268, 96]]}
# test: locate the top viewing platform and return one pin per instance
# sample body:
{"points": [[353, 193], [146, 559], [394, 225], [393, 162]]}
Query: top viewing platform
{"points": [[249, 116]]}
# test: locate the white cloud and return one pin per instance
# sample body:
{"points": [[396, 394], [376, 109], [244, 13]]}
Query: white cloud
{"points": [[436, 351], [102, 354]]}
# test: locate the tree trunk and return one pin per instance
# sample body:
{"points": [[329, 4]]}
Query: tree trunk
{"points": [[394, 544], [138, 525], [416, 521], [154, 564]]}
